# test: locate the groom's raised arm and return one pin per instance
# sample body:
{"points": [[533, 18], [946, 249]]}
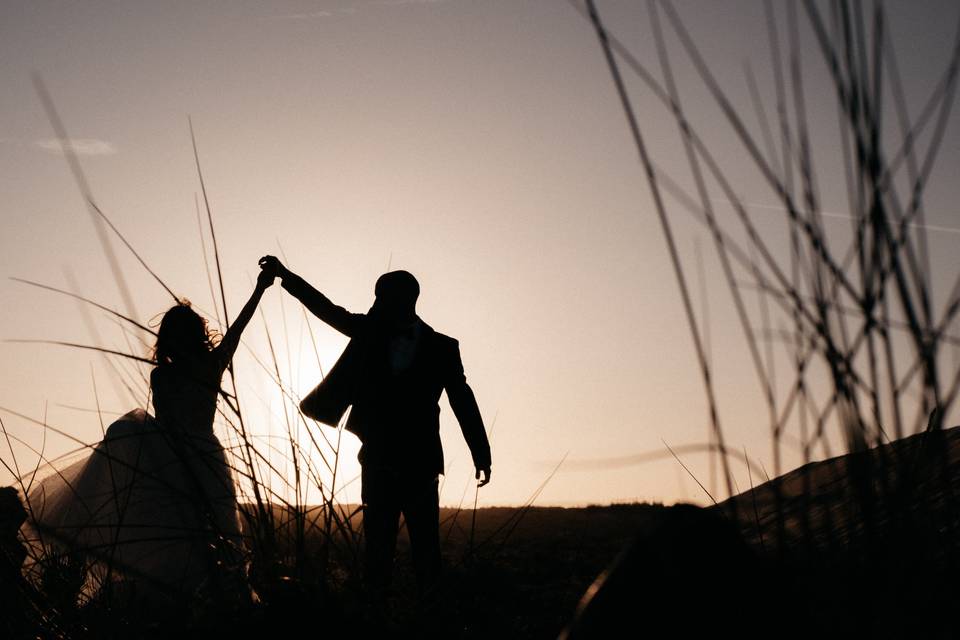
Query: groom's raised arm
{"points": [[318, 304]]}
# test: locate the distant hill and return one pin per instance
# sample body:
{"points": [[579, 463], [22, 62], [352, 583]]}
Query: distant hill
{"points": [[868, 543], [902, 492]]}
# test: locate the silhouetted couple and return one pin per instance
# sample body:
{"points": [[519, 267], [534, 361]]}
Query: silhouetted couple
{"points": [[154, 502], [392, 373]]}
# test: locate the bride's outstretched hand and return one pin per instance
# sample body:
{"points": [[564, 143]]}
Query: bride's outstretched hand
{"points": [[231, 339], [265, 279]]}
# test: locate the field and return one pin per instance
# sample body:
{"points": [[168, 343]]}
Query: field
{"points": [[809, 558]]}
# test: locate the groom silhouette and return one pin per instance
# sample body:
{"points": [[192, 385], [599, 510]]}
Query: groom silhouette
{"points": [[392, 374]]}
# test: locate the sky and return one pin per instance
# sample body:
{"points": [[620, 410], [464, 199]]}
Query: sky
{"points": [[478, 144]]}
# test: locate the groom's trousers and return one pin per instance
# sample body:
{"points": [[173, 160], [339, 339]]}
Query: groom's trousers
{"points": [[387, 493]]}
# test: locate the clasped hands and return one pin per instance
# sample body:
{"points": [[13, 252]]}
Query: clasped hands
{"points": [[270, 268]]}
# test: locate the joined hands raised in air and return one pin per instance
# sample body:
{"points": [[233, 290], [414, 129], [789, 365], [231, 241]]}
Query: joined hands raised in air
{"points": [[272, 266]]}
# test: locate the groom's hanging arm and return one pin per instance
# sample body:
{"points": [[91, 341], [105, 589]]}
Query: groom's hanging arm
{"points": [[464, 405], [319, 305]]}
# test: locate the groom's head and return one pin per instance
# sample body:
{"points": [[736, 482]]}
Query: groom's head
{"points": [[397, 293]]}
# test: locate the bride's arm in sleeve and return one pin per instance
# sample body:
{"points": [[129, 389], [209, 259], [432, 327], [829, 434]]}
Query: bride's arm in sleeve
{"points": [[228, 345]]}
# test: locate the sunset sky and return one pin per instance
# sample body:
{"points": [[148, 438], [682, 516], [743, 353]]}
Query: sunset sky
{"points": [[478, 144]]}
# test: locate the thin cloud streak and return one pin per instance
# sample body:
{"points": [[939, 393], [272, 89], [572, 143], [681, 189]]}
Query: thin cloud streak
{"points": [[80, 146], [394, 3], [834, 214], [311, 15], [349, 11]]}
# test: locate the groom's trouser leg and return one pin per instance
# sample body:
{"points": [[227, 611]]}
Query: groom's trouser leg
{"points": [[421, 510], [381, 515]]}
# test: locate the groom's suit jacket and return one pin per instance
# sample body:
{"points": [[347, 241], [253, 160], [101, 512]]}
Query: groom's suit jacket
{"points": [[395, 415]]}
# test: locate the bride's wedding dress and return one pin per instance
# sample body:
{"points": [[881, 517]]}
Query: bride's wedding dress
{"points": [[154, 502]]}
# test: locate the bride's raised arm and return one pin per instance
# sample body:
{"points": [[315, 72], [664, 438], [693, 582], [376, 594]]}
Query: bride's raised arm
{"points": [[231, 340]]}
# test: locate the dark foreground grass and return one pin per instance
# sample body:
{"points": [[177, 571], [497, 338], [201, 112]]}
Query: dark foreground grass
{"points": [[520, 579], [875, 559], [834, 570]]}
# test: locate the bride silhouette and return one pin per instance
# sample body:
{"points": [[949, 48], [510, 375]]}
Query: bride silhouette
{"points": [[153, 504]]}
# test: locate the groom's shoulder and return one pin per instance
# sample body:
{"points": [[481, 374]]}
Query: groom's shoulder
{"points": [[441, 340]]}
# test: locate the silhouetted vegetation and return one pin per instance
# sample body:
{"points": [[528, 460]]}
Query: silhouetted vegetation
{"points": [[869, 538], [860, 543]]}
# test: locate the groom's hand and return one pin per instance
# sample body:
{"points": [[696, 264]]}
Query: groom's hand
{"points": [[271, 265], [486, 477]]}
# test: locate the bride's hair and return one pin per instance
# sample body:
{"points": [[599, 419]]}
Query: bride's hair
{"points": [[182, 332]]}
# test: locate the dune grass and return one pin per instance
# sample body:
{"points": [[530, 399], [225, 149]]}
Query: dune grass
{"points": [[849, 334], [298, 555], [865, 334]]}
